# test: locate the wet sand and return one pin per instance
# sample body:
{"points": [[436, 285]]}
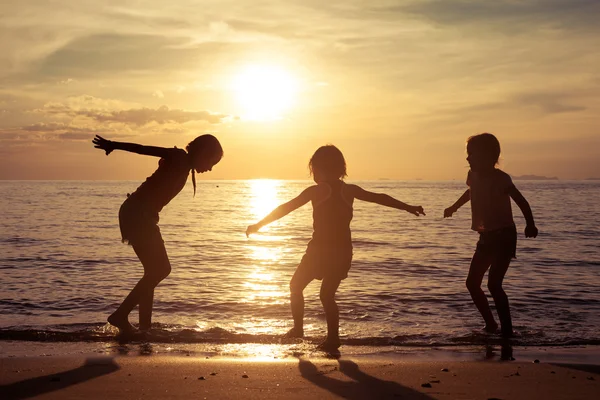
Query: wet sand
{"points": [[166, 377]]}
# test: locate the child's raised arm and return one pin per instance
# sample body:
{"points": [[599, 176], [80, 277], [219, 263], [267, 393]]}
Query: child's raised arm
{"points": [[383, 199], [284, 209], [462, 200], [530, 230], [108, 146]]}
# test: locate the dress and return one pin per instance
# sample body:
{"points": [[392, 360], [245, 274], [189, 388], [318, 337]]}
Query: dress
{"points": [[138, 216], [329, 252]]}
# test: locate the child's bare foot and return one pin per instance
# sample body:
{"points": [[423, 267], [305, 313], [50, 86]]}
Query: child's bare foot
{"points": [[330, 344], [294, 333], [491, 328], [122, 323]]}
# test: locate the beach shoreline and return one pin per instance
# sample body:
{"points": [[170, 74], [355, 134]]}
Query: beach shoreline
{"points": [[302, 376], [586, 354]]}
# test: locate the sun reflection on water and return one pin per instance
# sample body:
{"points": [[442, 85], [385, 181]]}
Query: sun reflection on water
{"points": [[260, 285], [258, 352], [264, 197]]}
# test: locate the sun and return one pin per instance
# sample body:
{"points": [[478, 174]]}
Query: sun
{"points": [[264, 92]]}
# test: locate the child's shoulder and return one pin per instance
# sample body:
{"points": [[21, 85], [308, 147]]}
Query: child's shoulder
{"points": [[177, 154], [501, 174], [318, 191]]}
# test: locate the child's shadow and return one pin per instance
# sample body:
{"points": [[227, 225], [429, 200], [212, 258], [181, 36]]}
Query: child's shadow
{"points": [[363, 386], [93, 368]]}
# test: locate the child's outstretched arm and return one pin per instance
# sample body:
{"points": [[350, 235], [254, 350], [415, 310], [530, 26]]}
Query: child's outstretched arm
{"points": [[383, 199], [283, 210], [464, 199], [109, 145], [530, 230]]}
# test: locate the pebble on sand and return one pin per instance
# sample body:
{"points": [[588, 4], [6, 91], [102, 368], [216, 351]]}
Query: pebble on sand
{"points": [[426, 385], [202, 378], [445, 370], [590, 378], [536, 361], [213, 373], [244, 376]]}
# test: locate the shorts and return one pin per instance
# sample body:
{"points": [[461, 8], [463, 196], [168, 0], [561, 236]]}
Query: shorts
{"points": [[498, 243], [137, 224], [329, 261]]}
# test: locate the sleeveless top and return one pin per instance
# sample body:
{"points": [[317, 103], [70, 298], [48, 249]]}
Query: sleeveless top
{"points": [[165, 183], [331, 219], [490, 203]]}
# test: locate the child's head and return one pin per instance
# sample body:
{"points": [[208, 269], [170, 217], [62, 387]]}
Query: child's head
{"points": [[205, 151], [327, 164], [483, 151]]}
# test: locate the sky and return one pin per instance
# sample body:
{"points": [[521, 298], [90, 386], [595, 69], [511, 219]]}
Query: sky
{"points": [[397, 85]]}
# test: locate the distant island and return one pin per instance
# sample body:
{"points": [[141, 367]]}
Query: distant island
{"points": [[534, 178]]}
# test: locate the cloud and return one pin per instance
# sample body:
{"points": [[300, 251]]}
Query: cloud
{"points": [[132, 116], [51, 127], [531, 14], [108, 54], [158, 93], [549, 102]]}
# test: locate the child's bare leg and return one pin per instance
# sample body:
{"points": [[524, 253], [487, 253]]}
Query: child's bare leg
{"points": [[153, 255], [145, 310], [495, 279], [328, 289], [479, 265], [297, 285]]}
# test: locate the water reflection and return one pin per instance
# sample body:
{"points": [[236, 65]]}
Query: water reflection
{"points": [[258, 352], [260, 286], [264, 197]]}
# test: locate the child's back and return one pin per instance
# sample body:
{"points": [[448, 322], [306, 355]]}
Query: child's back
{"points": [[332, 215]]}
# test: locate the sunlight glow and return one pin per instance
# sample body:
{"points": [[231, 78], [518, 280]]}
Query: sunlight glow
{"points": [[264, 92], [253, 352], [264, 197], [262, 290]]}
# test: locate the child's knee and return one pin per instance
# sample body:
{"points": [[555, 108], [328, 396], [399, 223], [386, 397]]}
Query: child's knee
{"points": [[295, 289], [164, 272], [494, 287], [327, 298], [472, 284], [159, 274]]}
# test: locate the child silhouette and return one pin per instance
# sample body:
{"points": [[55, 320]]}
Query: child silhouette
{"points": [[490, 191], [329, 253]]}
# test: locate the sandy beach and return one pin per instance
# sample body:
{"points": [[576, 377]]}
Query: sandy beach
{"points": [[170, 377]]}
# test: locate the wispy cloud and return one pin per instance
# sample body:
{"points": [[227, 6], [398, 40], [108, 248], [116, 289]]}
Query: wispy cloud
{"points": [[135, 116]]}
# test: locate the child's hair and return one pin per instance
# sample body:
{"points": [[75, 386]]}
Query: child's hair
{"points": [[209, 145], [329, 160], [486, 144]]}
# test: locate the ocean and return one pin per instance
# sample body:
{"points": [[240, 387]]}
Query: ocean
{"points": [[64, 269]]}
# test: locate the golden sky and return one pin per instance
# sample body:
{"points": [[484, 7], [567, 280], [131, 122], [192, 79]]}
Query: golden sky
{"points": [[397, 85]]}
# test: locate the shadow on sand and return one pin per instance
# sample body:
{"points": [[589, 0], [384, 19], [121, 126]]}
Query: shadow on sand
{"points": [[362, 386], [93, 368]]}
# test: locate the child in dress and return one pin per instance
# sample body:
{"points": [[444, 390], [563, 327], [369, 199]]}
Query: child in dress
{"points": [[138, 216], [329, 253]]}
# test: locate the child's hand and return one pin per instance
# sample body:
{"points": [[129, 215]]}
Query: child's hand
{"points": [[101, 143], [448, 212], [416, 210], [531, 231], [252, 229]]}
